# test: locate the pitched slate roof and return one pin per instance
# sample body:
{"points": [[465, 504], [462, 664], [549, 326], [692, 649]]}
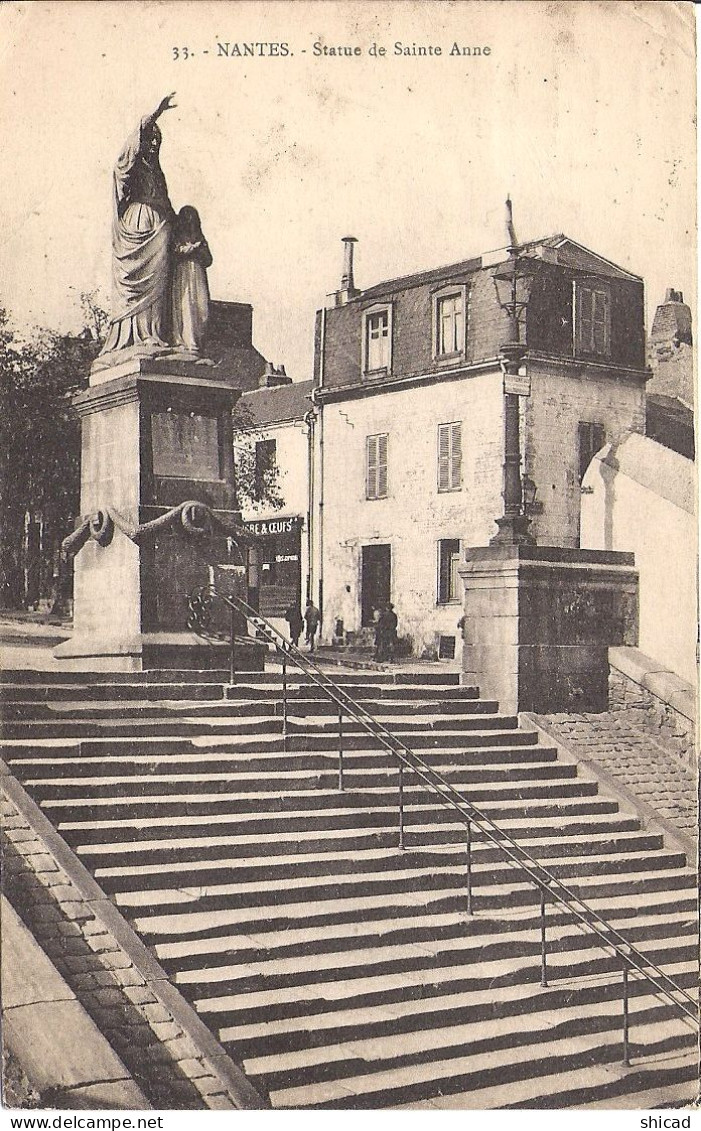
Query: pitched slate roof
{"points": [[278, 404], [569, 254]]}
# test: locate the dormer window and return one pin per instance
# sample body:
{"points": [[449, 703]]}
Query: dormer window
{"points": [[592, 319], [449, 305], [377, 340]]}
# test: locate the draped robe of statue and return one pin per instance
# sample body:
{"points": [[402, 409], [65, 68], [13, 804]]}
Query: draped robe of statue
{"points": [[141, 234]]}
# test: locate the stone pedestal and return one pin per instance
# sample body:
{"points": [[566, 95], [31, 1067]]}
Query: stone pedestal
{"points": [[539, 621], [155, 433]]}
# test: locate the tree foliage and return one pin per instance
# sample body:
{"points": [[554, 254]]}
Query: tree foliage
{"points": [[257, 480], [39, 450]]}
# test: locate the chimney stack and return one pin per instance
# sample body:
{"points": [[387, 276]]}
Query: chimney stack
{"points": [[273, 377], [671, 325], [348, 288]]}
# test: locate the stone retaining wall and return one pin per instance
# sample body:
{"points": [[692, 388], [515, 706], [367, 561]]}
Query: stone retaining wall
{"points": [[656, 701], [168, 1050]]}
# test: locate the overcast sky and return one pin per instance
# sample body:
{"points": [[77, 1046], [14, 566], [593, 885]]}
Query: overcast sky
{"points": [[582, 111]]}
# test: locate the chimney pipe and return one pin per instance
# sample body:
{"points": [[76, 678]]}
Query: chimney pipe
{"points": [[347, 290]]}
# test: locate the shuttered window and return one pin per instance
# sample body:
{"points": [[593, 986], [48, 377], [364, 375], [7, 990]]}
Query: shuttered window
{"points": [[450, 456], [593, 320], [376, 467]]}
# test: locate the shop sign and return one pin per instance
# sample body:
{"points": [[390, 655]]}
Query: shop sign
{"points": [[273, 526]]}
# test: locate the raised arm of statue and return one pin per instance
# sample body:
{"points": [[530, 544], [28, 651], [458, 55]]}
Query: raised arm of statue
{"points": [[137, 171], [141, 232]]}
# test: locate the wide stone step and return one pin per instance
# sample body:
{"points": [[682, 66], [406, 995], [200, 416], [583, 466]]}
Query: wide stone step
{"points": [[111, 786], [452, 938], [187, 921], [261, 732], [409, 873], [359, 693], [265, 938], [259, 968], [186, 868], [669, 1080], [186, 676], [210, 804], [477, 1071], [329, 820], [229, 1003], [241, 845], [500, 1004], [338, 1062], [27, 706], [228, 722], [71, 763]]}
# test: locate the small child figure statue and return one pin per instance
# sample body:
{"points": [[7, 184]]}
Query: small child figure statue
{"points": [[189, 288]]}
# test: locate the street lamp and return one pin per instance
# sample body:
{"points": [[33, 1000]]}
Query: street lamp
{"points": [[528, 493], [512, 293]]}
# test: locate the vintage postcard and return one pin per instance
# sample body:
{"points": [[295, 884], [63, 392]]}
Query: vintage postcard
{"points": [[348, 548]]}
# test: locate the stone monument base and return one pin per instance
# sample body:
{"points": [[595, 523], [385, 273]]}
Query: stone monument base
{"points": [[158, 501], [539, 621]]}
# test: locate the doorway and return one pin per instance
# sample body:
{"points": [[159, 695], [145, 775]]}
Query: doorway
{"points": [[375, 580]]}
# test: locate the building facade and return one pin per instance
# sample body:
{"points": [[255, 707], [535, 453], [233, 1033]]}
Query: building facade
{"points": [[275, 444], [409, 395]]}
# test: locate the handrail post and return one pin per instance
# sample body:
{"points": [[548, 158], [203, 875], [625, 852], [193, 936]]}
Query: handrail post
{"points": [[626, 1016], [543, 949], [401, 805], [284, 703], [468, 850], [340, 749], [232, 645]]}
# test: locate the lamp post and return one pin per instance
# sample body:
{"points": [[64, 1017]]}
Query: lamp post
{"points": [[513, 524]]}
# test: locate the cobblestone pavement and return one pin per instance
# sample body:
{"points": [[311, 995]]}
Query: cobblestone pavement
{"points": [[634, 759]]}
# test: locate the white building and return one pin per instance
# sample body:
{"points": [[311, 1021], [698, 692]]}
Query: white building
{"points": [[398, 467], [410, 397]]}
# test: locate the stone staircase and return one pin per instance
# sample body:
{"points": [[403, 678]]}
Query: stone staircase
{"points": [[337, 969]]}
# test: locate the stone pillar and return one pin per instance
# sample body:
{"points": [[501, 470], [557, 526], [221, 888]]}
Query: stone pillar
{"points": [[156, 432], [539, 621]]}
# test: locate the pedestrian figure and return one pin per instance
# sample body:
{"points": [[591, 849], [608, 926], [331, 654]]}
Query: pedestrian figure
{"points": [[294, 618], [389, 623], [378, 626], [312, 616]]}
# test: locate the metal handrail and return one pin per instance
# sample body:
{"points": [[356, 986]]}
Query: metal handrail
{"points": [[545, 881]]}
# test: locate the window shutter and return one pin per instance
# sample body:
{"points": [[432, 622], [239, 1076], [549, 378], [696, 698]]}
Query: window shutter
{"points": [[381, 467], [456, 455], [376, 473], [443, 574], [443, 457], [371, 479], [600, 321], [586, 313]]}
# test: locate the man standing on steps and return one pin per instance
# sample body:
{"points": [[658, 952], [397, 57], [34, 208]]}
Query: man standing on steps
{"points": [[391, 623], [294, 619], [312, 617]]}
